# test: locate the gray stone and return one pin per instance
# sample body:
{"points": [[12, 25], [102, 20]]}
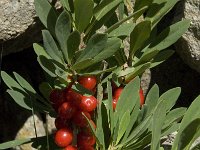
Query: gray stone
{"points": [[19, 26], [188, 46]]}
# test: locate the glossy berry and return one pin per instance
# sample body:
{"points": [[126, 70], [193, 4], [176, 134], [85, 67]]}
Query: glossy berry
{"points": [[73, 97], [80, 120], [86, 148], [71, 147], [89, 82], [66, 110], [85, 140], [63, 137], [114, 103], [88, 103], [141, 97], [57, 97], [117, 93], [60, 123]]}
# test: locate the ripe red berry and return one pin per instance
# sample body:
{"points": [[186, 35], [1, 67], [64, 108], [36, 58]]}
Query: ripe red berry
{"points": [[80, 120], [73, 97], [88, 103], [63, 137], [60, 123], [141, 97], [71, 147], [117, 93], [57, 97], [86, 148], [84, 140], [86, 130], [66, 110], [89, 82]]}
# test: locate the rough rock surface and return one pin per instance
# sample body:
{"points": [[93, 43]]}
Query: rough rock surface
{"points": [[19, 27], [188, 46]]}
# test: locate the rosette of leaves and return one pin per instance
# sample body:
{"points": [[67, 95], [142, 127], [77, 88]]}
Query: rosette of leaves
{"points": [[74, 46]]}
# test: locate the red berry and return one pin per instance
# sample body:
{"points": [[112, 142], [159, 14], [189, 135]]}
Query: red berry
{"points": [[88, 103], [141, 97], [85, 140], [88, 82], [71, 147], [114, 103], [73, 97], [80, 120], [57, 97], [86, 148], [66, 110], [63, 137], [86, 130], [117, 93], [60, 123]]}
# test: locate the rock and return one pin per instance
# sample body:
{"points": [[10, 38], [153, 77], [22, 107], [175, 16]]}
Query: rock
{"points": [[19, 26], [188, 47], [28, 131]]}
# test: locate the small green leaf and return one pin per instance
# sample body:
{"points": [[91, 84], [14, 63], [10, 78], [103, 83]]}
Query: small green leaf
{"points": [[40, 51], [188, 135], [80, 89], [63, 29], [96, 72], [83, 13], [158, 10], [170, 35], [124, 122], [45, 88], [46, 13], [190, 115], [14, 143], [141, 3], [138, 36], [47, 65], [65, 4], [50, 46], [73, 43], [21, 99]]}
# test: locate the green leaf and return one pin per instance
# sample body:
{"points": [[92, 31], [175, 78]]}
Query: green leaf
{"points": [[159, 9], [134, 15], [141, 3], [123, 30], [47, 65], [73, 43], [170, 97], [50, 46], [45, 88], [133, 72], [124, 122], [21, 98], [14, 143], [161, 57], [29, 89], [157, 123], [127, 99], [80, 89], [65, 4], [188, 135], [40, 51], [83, 13], [138, 36], [95, 45], [152, 99], [105, 7], [63, 29], [96, 72], [170, 35], [189, 116], [46, 13], [146, 57]]}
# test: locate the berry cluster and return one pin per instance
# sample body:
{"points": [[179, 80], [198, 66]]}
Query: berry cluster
{"points": [[72, 109]]}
